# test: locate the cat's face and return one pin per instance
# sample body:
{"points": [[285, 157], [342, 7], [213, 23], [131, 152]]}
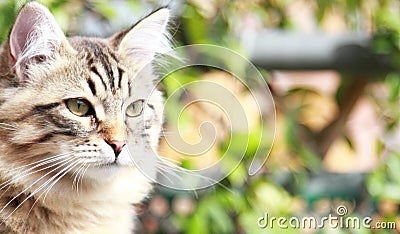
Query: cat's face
{"points": [[75, 104]]}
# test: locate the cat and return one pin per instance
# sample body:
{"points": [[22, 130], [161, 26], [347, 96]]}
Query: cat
{"points": [[68, 108]]}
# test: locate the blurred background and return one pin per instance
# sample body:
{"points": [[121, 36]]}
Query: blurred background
{"points": [[333, 70]]}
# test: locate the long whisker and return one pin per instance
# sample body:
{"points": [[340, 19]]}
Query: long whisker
{"points": [[42, 186], [10, 181], [42, 160], [176, 171], [169, 160], [80, 178], [8, 126], [30, 186], [48, 143], [164, 168], [45, 143], [168, 171], [77, 173], [25, 173], [169, 133], [62, 173]]}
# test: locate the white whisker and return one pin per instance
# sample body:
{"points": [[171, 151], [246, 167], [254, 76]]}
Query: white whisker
{"points": [[25, 173], [8, 126], [20, 176], [77, 173], [27, 188], [42, 186], [169, 160], [63, 172], [42, 160], [169, 133], [166, 166], [80, 179]]}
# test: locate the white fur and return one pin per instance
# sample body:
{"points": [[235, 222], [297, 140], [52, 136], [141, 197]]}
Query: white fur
{"points": [[148, 38]]}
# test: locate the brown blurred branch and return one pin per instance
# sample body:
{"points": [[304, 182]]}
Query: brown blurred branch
{"points": [[346, 102]]}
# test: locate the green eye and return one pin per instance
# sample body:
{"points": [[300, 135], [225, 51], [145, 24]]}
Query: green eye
{"points": [[135, 108], [79, 107]]}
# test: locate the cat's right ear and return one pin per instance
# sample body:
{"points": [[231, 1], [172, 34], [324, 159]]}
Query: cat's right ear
{"points": [[145, 39], [35, 37]]}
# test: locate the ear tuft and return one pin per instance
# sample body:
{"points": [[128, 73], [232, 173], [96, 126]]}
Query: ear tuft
{"points": [[147, 38], [35, 37]]}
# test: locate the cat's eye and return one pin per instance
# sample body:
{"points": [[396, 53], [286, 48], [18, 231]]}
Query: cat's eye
{"points": [[79, 107], [135, 108]]}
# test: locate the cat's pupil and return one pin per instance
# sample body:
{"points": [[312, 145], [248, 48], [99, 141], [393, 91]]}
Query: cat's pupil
{"points": [[79, 107]]}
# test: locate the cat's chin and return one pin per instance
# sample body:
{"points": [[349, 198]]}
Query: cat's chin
{"points": [[107, 168], [105, 172]]}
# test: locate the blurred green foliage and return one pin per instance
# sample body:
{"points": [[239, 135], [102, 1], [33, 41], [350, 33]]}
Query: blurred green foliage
{"points": [[235, 205]]}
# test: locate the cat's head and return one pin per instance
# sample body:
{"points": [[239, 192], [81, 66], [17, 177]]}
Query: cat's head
{"points": [[72, 104]]}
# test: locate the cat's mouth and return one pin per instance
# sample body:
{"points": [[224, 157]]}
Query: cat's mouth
{"points": [[103, 171], [110, 164], [116, 163]]}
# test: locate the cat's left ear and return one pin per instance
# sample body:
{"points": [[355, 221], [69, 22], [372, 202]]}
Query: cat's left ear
{"points": [[35, 37], [148, 37]]}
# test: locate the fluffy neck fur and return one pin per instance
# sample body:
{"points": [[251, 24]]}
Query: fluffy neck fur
{"points": [[105, 208]]}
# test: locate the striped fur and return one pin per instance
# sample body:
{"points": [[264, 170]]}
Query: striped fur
{"points": [[59, 173]]}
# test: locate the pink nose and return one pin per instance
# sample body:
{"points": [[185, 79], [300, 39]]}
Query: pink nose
{"points": [[117, 146]]}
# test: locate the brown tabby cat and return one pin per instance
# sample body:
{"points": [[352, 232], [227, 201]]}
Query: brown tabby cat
{"points": [[68, 109]]}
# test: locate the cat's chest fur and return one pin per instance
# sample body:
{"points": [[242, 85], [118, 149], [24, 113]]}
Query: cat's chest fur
{"points": [[101, 209], [69, 110]]}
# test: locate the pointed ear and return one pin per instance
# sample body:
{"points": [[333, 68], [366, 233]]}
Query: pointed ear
{"points": [[35, 37], [149, 36]]}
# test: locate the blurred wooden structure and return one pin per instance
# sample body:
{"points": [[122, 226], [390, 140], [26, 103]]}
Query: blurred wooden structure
{"points": [[351, 55]]}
